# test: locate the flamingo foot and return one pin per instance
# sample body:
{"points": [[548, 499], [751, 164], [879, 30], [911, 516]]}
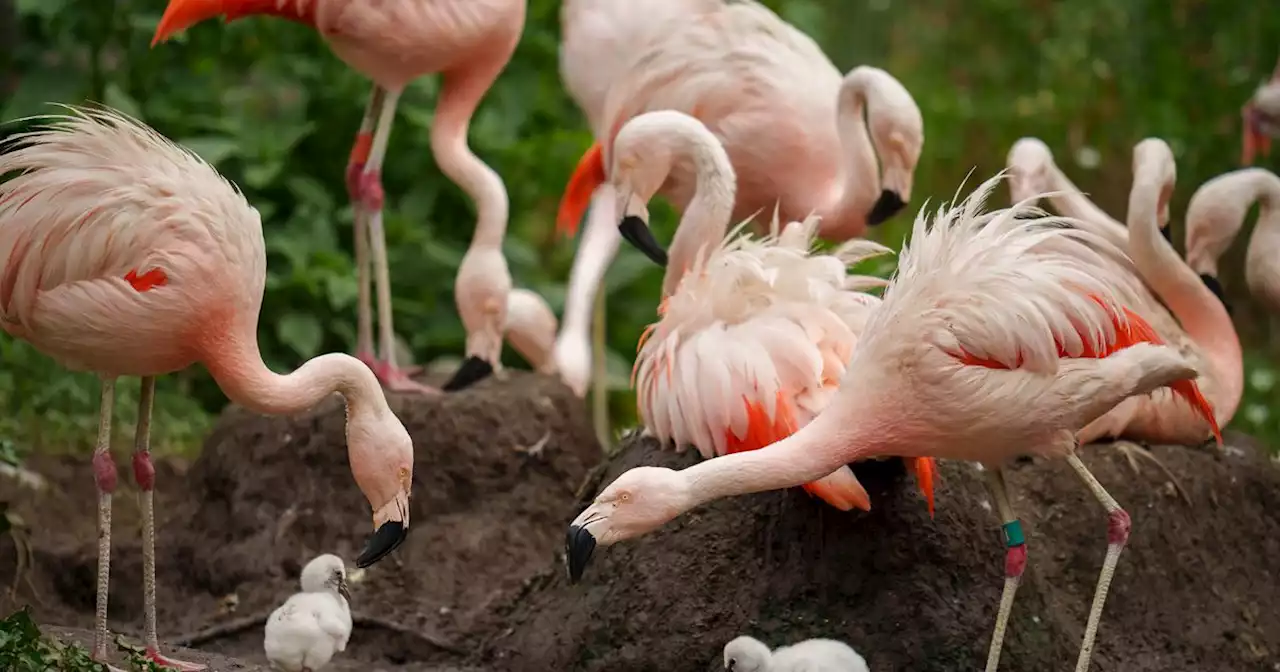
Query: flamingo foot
{"points": [[109, 666], [154, 656], [1132, 451], [397, 379], [472, 371]]}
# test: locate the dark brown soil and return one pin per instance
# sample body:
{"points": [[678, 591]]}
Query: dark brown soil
{"points": [[267, 494], [480, 583], [1197, 588]]}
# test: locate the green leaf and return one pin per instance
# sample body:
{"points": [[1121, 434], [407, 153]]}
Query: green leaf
{"points": [[301, 332]]}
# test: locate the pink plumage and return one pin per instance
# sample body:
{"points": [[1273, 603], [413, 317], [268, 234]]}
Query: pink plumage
{"points": [[124, 254]]}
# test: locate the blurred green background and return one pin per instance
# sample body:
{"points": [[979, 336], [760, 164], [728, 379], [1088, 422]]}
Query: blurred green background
{"points": [[267, 103]]}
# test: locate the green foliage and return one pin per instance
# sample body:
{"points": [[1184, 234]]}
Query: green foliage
{"points": [[265, 102], [22, 649]]}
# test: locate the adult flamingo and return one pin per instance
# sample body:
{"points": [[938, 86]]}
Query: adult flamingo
{"points": [[1261, 117], [394, 43], [1167, 294], [793, 127], [1000, 334], [754, 340], [126, 255], [531, 328], [1214, 216]]}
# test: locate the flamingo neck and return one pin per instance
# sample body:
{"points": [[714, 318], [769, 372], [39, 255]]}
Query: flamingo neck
{"points": [[860, 172], [459, 97], [1261, 267], [233, 358], [1200, 313], [597, 248], [832, 440]]}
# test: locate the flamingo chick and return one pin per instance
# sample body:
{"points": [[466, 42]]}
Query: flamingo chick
{"points": [[394, 43], [748, 654], [1261, 117], [1000, 334], [800, 136], [303, 633], [1215, 215], [755, 339], [124, 254]]}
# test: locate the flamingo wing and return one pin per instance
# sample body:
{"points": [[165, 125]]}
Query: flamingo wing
{"points": [[112, 236]]}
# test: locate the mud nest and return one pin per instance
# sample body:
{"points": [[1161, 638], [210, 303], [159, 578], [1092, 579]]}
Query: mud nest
{"points": [[1197, 587]]}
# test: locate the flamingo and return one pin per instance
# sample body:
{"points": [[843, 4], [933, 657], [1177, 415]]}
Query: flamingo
{"points": [[1261, 117], [1000, 334], [124, 254], [1168, 296], [303, 633], [748, 654], [793, 126], [531, 329], [1214, 216], [768, 325], [393, 43]]}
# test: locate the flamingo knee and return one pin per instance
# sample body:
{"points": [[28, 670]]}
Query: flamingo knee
{"points": [[104, 472], [1118, 526], [144, 472], [369, 190]]}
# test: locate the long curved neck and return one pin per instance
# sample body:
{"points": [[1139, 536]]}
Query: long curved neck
{"points": [[706, 220], [1201, 314], [1262, 263], [233, 358], [459, 97], [596, 250], [860, 173], [827, 443]]}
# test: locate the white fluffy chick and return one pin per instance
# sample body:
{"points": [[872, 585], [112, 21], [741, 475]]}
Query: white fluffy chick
{"points": [[747, 654], [304, 633]]}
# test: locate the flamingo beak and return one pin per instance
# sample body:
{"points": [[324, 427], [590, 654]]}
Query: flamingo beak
{"points": [[889, 204], [579, 545], [472, 371], [388, 538], [343, 590], [636, 232]]}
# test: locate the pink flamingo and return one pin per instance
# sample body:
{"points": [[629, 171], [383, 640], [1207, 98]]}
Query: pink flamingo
{"points": [[793, 126], [531, 328], [1261, 117], [1000, 334], [126, 255], [766, 323], [1214, 216], [394, 43], [1169, 296]]}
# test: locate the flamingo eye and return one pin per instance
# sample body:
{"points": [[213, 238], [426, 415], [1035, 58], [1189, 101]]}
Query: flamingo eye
{"points": [[626, 496]]}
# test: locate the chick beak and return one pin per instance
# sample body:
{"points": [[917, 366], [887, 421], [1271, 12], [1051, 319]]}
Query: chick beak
{"points": [[386, 539], [636, 232], [343, 591], [579, 544]]}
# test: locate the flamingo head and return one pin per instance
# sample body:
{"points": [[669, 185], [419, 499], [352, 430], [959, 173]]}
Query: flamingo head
{"points": [[381, 455], [1261, 117], [639, 501], [1029, 163], [326, 573], [746, 654], [638, 171]]}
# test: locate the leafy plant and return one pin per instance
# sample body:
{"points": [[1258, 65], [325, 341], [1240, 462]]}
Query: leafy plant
{"points": [[22, 649]]}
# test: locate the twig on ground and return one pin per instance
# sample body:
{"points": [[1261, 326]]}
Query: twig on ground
{"points": [[258, 620]]}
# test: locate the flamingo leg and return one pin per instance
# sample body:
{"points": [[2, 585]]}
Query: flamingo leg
{"points": [[355, 168], [1014, 563], [104, 476], [144, 472], [371, 199], [1118, 525]]}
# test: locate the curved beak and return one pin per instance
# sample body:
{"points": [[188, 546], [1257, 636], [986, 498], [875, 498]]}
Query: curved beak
{"points": [[343, 591], [636, 232], [388, 538], [579, 545], [889, 204], [472, 371]]}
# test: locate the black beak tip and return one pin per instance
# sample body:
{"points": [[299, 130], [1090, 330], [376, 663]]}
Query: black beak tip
{"points": [[889, 204], [579, 545], [1215, 286], [636, 232], [387, 539], [1168, 235], [472, 371]]}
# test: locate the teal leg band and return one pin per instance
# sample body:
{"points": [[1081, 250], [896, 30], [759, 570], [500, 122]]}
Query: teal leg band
{"points": [[1013, 534]]}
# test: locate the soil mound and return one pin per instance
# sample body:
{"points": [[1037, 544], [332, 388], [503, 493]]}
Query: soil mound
{"points": [[497, 468], [1197, 587]]}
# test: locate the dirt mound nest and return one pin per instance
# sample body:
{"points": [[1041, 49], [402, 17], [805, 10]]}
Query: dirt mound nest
{"points": [[1197, 587], [497, 468]]}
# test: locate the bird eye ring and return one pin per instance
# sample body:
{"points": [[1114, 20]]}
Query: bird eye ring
{"points": [[624, 496]]}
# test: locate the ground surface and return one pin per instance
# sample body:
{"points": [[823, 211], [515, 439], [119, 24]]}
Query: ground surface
{"points": [[480, 583]]}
